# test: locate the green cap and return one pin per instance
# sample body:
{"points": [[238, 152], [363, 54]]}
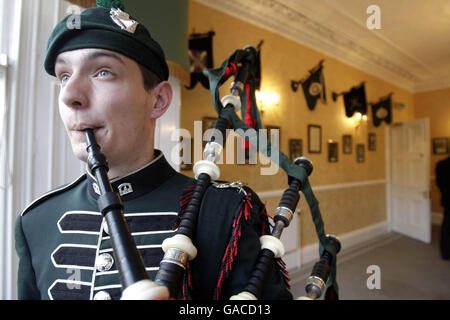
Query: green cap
{"points": [[107, 28]]}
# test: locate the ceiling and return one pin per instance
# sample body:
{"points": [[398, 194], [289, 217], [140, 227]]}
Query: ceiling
{"points": [[411, 50]]}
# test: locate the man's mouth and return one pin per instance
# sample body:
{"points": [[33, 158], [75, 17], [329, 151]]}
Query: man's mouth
{"points": [[83, 127], [78, 131]]}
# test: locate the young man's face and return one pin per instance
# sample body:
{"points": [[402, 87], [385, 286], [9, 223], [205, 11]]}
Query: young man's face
{"points": [[104, 90]]}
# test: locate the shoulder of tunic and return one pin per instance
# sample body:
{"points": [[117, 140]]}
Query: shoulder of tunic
{"points": [[53, 193]]}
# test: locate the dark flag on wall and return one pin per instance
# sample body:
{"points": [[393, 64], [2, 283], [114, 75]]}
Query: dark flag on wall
{"points": [[355, 100], [313, 86], [200, 57], [382, 111]]}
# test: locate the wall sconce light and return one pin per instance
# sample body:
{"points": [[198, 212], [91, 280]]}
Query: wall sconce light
{"points": [[266, 100], [359, 118]]}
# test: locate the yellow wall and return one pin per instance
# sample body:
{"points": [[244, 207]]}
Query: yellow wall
{"points": [[435, 105], [283, 60]]}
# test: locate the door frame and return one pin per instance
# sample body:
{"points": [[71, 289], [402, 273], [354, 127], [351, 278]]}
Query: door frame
{"points": [[388, 159]]}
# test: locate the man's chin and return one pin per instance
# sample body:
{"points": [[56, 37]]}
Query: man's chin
{"points": [[80, 152]]}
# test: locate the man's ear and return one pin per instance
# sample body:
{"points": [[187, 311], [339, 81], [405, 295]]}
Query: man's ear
{"points": [[163, 97]]}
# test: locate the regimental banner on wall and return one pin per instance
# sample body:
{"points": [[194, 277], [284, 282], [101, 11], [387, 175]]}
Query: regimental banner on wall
{"points": [[200, 57], [354, 100], [382, 111], [313, 86]]}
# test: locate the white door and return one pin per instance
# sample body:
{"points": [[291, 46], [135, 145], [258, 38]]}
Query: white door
{"points": [[410, 179]]}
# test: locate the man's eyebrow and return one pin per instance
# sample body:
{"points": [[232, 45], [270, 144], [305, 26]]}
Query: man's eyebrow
{"points": [[93, 56], [60, 60], [100, 54]]}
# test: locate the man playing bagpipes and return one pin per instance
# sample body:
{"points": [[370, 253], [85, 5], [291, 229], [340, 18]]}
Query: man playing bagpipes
{"points": [[113, 78]]}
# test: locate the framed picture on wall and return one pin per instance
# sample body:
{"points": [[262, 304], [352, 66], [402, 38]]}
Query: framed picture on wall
{"points": [[295, 148], [440, 145], [347, 144], [360, 153], [371, 142], [314, 138], [332, 151]]}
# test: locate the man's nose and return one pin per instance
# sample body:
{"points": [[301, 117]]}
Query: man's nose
{"points": [[74, 93]]}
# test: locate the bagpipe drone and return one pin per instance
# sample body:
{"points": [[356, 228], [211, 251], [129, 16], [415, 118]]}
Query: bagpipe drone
{"points": [[179, 249]]}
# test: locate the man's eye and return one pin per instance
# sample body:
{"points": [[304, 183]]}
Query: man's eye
{"points": [[64, 78], [104, 73]]}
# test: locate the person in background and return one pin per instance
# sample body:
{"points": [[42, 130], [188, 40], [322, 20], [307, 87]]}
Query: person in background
{"points": [[443, 182]]}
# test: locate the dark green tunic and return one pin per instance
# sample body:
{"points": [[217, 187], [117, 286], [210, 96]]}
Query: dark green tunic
{"points": [[65, 251]]}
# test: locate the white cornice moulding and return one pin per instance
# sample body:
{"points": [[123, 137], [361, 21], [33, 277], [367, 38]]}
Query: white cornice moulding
{"points": [[433, 84], [293, 20]]}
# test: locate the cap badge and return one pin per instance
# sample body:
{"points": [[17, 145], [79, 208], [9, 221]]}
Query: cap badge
{"points": [[123, 20], [125, 188]]}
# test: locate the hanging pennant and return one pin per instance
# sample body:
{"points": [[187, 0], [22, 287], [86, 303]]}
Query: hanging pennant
{"points": [[382, 111], [200, 57], [313, 86], [354, 100]]}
